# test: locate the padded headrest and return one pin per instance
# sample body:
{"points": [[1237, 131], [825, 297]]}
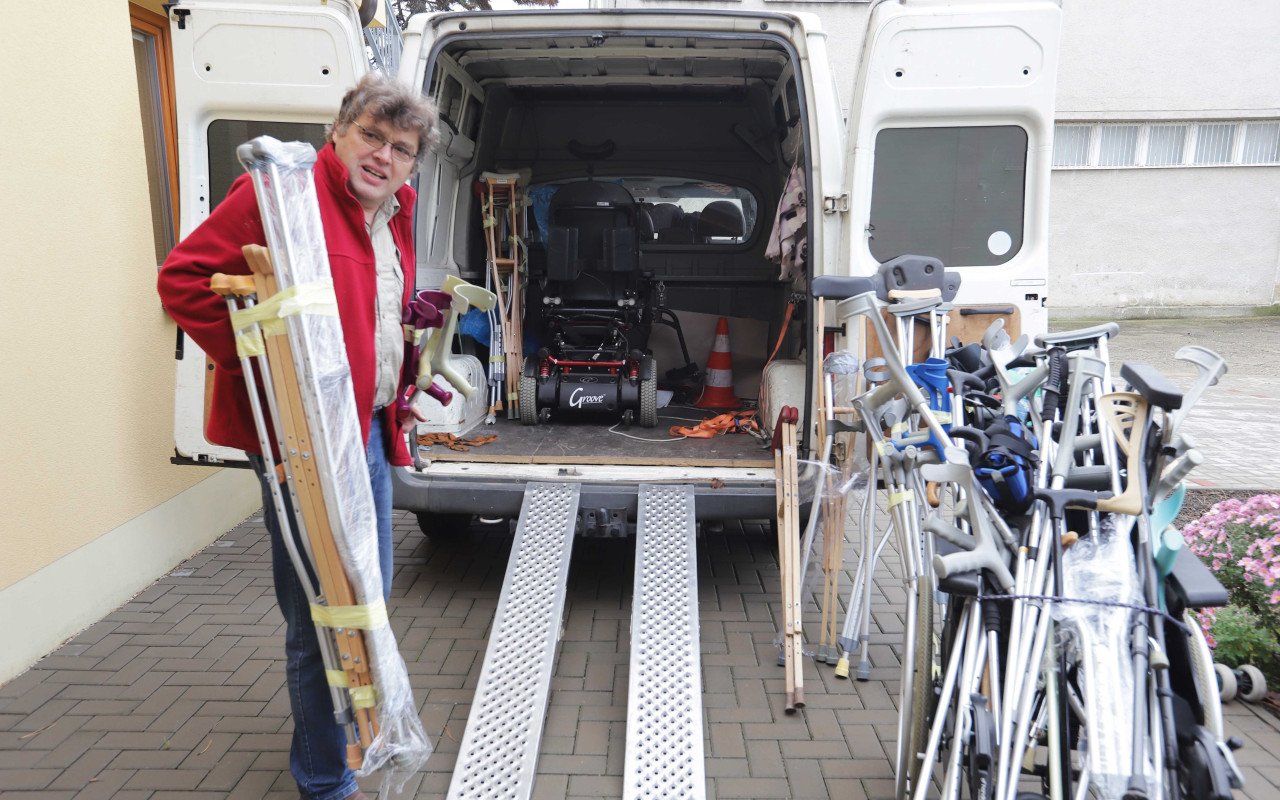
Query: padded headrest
{"points": [[721, 218], [591, 194], [666, 215]]}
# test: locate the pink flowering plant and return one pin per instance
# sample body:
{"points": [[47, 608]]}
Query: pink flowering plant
{"points": [[1240, 541]]}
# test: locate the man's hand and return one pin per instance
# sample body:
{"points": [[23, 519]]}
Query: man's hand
{"points": [[408, 416]]}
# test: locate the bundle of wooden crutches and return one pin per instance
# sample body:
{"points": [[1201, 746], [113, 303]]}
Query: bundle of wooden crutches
{"points": [[289, 337], [502, 206]]}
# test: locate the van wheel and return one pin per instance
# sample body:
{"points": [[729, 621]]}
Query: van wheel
{"points": [[443, 527], [648, 402], [528, 399]]}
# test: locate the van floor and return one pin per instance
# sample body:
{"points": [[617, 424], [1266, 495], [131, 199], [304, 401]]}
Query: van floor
{"points": [[594, 441]]}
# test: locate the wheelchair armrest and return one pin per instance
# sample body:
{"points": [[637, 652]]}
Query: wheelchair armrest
{"points": [[1192, 584], [1154, 387]]}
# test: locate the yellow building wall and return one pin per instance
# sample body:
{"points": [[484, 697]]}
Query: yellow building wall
{"points": [[86, 487]]}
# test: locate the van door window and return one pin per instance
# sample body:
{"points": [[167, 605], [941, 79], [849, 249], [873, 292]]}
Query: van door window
{"points": [[225, 135], [952, 193]]}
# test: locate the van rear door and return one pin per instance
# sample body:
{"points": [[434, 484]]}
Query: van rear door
{"points": [[241, 70], [950, 138]]}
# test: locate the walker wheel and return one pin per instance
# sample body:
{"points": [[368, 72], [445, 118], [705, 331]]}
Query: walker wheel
{"points": [[1252, 683], [1226, 682]]}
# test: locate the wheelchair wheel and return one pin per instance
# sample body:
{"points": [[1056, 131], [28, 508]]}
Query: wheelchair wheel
{"points": [[528, 400], [649, 401], [923, 699]]}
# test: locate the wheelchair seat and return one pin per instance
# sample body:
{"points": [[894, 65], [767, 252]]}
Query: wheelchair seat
{"points": [[595, 314]]}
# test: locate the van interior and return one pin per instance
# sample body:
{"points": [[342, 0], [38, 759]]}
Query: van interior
{"points": [[651, 169]]}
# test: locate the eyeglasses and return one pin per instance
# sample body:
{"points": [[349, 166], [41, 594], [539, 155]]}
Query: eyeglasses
{"points": [[376, 141]]}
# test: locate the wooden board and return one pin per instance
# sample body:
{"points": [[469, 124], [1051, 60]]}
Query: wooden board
{"points": [[591, 442], [970, 325]]}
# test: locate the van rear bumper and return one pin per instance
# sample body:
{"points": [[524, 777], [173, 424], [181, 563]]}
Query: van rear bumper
{"points": [[502, 497]]}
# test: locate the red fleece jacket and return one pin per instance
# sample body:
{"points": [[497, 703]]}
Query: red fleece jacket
{"points": [[214, 246]]}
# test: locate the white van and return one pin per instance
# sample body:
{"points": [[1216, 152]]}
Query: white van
{"points": [[698, 117]]}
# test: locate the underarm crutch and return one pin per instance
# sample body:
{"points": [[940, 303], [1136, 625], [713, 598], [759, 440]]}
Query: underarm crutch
{"points": [[322, 444], [240, 292]]}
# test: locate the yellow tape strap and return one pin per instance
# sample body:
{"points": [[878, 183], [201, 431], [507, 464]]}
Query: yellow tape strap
{"points": [[901, 427], [364, 697], [943, 417], [489, 222], [497, 359], [879, 448], [365, 618], [414, 335], [361, 696], [249, 344], [511, 396], [316, 297], [898, 498]]}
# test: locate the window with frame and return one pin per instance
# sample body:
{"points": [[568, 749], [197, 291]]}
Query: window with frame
{"points": [[1174, 143], [225, 135], [952, 193], [153, 63]]}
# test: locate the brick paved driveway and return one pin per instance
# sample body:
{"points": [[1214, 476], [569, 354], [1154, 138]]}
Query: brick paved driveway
{"points": [[180, 693]]}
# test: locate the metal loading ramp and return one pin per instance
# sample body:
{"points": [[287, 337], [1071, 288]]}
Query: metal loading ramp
{"points": [[499, 752], [664, 754], [664, 701]]}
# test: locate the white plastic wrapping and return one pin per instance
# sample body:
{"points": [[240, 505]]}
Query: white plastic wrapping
{"points": [[295, 236], [1102, 568]]}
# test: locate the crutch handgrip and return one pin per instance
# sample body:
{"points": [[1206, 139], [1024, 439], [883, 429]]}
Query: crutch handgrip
{"points": [[238, 285], [1178, 470], [436, 356], [258, 257]]}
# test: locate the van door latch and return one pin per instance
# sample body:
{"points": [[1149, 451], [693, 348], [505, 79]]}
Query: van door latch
{"points": [[833, 205]]}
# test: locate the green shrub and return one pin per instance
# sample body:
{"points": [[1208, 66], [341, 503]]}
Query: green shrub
{"points": [[1240, 638]]}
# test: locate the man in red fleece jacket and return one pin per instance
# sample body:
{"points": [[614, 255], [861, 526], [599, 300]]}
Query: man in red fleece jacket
{"points": [[378, 140]]}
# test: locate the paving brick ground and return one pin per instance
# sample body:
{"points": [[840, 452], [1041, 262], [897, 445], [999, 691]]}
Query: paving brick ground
{"points": [[180, 693]]}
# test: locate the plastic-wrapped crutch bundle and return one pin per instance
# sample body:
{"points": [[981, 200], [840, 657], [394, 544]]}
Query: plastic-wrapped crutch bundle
{"points": [[285, 186], [1098, 569]]}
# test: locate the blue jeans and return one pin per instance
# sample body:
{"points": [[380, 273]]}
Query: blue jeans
{"points": [[318, 755]]}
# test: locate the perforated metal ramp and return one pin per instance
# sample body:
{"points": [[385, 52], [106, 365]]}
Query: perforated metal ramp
{"points": [[664, 705], [499, 754]]}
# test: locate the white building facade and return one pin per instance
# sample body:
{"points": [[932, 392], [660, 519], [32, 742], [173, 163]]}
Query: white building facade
{"points": [[1166, 184]]}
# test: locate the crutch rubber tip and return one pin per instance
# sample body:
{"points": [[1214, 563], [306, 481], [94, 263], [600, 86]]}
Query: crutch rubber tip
{"points": [[864, 670], [799, 701], [782, 659], [355, 756], [842, 668], [1069, 538], [790, 707]]}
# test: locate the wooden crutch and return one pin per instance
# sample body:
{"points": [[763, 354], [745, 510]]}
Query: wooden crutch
{"points": [[240, 291], [785, 464], [336, 591]]}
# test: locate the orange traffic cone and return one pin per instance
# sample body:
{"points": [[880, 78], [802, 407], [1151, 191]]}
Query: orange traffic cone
{"points": [[717, 389]]}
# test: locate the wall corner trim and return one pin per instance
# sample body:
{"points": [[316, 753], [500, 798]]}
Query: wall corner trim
{"points": [[70, 594]]}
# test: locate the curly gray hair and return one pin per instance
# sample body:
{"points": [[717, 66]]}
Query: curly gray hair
{"points": [[390, 102]]}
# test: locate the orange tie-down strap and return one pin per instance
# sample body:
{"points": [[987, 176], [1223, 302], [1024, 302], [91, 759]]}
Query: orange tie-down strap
{"points": [[734, 422], [453, 442]]}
